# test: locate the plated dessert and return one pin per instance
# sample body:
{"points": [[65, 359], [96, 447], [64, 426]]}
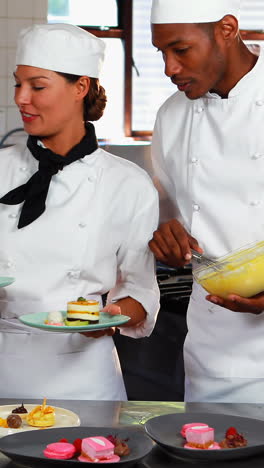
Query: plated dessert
{"points": [[199, 436], [21, 411], [79, 313], [40, 416], [95, 449], [82, 312], [125, 445], [15, 419]]}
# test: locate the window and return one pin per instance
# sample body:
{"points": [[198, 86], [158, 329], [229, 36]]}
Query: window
{"points": [[150, 86], [133, 74], [101, 19], [252, 23], [84, 12]]}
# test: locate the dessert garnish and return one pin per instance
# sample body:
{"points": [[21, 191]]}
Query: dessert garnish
{"points": [[78, 446], [3, 422], [41, 415], [120, 446], [21, 410], [55, 318], [233, 439], [14, 421]]}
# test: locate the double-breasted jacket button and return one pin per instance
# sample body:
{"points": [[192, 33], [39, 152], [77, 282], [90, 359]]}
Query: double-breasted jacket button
{"points": [[257, 156], [74, 274], [260, 102], [194, 160], [196, 207]]}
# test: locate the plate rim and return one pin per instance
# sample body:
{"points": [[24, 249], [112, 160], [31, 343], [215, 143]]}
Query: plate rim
{"points": [[10, 280]]}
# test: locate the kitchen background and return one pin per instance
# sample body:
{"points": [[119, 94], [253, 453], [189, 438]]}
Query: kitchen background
{"points": [[153, 367]]}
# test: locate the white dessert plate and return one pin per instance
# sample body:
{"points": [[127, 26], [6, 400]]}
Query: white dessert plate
{"points": [[6, 280], [105, 321], [64, 418], [27, 449], [165, 430]]}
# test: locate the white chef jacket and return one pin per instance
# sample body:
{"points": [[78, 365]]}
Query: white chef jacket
{"points": [[209, 156], [93, 238]]}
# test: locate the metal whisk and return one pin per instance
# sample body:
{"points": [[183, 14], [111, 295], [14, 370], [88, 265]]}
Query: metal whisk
{"points": [[201, 258]]}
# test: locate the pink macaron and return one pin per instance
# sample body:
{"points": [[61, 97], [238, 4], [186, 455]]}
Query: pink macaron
{"points": [[59, 450]]}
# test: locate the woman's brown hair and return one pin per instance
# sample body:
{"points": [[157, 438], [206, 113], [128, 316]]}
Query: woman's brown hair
{"points": [[94, 101]]}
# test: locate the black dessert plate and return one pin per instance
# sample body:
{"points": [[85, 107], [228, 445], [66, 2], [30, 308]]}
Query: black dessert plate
{"points": [[165, 430], [27, 448]]}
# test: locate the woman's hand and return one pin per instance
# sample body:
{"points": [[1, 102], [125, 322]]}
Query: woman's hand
{"points": [[252, 305], [112, 309], [171, 244]]}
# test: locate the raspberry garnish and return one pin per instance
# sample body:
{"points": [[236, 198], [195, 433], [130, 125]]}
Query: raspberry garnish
{"points": [[231, 431], [78, 445]]}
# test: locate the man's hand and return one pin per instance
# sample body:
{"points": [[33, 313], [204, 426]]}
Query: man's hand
{"points": [[171, 244], [252, 305], [111, 309]]}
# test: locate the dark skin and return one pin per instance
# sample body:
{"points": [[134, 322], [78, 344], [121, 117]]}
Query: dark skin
{"points": [[198, 59]]}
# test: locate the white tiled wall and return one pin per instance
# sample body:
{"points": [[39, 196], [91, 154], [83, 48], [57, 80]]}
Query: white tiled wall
{"points": [[14, 15]]}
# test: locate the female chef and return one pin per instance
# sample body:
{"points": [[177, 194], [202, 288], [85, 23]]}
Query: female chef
{"points": [[74, 221]]}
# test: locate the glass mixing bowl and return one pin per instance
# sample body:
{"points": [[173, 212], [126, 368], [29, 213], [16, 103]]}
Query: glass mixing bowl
{"points": [[240, 272]]}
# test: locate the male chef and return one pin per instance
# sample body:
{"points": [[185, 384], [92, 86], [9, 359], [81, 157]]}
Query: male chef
{"points": [[208, 155]]}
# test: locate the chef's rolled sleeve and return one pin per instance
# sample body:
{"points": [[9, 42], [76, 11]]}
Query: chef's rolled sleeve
{"points": [[136, 275], [141, 285]]}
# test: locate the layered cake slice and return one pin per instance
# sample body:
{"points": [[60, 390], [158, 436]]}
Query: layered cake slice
{"points": [[97, 449], [82, 312], [199, 437]]}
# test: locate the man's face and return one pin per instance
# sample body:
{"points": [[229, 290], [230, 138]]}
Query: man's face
{"points": [[193, 56]]}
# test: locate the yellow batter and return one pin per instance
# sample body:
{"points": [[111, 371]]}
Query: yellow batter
{"points": [[242, 274]]}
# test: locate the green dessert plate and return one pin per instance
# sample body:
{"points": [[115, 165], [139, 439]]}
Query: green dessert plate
{"points": [[105, 321]]}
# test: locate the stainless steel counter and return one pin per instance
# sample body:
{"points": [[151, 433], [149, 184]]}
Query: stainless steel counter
{"points": [[109, 413]]}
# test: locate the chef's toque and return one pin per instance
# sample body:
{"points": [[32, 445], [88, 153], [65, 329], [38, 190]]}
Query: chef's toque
{"points": [[192, 11], [62, 48]]}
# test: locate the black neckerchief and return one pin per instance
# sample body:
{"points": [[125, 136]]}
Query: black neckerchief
{"points": [[34, 191]]}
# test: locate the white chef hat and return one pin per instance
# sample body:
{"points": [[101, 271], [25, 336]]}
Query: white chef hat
{"points": [[192, 11], [61, 47]]}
